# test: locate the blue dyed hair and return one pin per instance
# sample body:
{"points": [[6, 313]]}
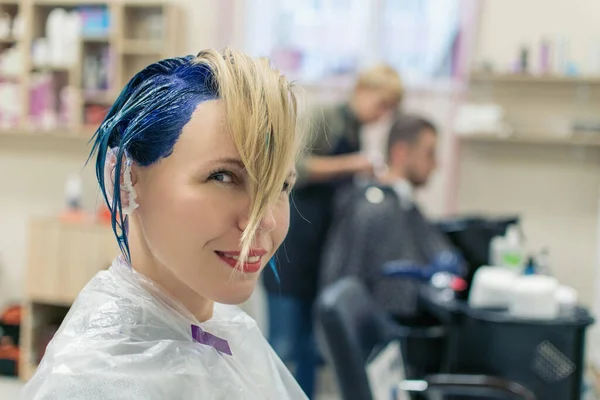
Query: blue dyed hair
{"points": [[146, 121]]}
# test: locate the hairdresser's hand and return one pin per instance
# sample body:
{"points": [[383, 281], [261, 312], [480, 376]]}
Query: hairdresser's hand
{"points": [[359, 164]]}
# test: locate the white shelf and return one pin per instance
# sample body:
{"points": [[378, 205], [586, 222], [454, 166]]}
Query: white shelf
{"points": [[50, 134], [578, 139], [534, 79]]}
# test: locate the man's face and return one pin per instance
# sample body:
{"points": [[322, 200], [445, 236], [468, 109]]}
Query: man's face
{"points": [[421, 158]]}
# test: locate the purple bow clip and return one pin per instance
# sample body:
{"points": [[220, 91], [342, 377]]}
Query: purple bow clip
{"points": [[209, 339]]}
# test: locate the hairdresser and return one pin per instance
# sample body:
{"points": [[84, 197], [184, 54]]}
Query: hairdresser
{"points": [[332, 157]]}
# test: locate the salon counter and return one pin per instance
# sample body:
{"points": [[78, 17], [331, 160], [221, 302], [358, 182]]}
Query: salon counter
{"points": [[546, 356]]}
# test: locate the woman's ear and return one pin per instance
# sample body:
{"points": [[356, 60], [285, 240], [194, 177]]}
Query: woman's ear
{"points": [[127, 180]]}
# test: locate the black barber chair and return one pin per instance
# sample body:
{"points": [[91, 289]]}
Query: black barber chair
{"points": [[352, 327]]}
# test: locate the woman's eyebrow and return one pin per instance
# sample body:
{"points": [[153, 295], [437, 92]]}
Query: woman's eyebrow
{"points": [[231, 161]]}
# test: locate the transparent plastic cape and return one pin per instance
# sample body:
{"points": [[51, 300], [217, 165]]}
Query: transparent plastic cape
{"points": [[125, 338]]}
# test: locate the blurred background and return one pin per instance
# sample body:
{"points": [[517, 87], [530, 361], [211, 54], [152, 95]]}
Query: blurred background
{"points": [[512, 86]]}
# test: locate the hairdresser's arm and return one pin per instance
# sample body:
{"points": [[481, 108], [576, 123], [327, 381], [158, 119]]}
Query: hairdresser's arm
{"points": [[325, 168], [316, 164]]}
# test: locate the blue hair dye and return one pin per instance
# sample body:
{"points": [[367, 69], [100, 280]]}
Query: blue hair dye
{"points": [[146, 121], [273, 266]]}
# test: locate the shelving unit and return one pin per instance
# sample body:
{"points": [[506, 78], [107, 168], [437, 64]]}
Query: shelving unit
{"points": [[547, 170], [64, 256], [139, 33]]}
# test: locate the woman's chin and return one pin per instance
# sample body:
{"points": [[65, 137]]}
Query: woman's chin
{"points": [[236, 293]]}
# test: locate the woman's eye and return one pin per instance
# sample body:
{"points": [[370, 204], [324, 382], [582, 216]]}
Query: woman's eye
{"points": [[224, 177]]}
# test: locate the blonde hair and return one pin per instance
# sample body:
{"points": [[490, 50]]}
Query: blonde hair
{"points": [[382, 77], [261, 116]]}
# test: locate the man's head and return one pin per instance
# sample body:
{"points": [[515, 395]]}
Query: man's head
{"points": [[378, 91], [412, 146]]}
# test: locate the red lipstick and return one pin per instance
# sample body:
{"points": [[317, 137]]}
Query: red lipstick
{"points": [[252, 265]]}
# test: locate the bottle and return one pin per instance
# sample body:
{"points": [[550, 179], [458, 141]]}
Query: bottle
{"points": [[530, 267], [73, 193], [545, 57], [524, 60], [512, 252], [508, 251]]}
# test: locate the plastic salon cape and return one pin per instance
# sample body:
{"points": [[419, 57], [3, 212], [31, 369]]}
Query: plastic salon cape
{"points": [[125, 338]]}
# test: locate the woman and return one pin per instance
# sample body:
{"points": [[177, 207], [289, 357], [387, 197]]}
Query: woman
{"points": [[195, 160]]}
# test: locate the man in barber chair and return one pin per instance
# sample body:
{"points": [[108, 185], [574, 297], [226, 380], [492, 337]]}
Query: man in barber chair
{"points": [[378, 228]]}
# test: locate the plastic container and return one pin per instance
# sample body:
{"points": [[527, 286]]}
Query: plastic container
{"points": [[491, 287], [534, 297]]}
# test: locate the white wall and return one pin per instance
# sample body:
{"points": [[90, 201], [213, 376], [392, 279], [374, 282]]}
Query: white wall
{"points": [[32, 178], [508, 24]]}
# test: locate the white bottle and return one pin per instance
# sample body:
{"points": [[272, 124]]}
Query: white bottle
{"points": [[513, 256], [73, 192], [508, 251]]}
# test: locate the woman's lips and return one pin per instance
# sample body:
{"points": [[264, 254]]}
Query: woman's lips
{"points": [[252, 265]]}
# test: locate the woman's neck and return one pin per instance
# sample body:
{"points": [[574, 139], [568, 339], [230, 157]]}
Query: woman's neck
{"points": [[144, 262]]}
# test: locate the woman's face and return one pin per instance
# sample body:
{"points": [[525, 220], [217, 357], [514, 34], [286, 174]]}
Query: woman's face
{"points": [[193, 208]]}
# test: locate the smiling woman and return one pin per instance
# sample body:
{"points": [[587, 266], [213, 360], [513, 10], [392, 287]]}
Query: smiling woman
{"points": [[195, 160]]}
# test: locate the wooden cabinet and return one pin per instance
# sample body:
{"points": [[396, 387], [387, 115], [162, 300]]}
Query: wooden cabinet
{"points": [[63, 257]]}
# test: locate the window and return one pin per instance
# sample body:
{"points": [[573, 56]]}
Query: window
{"points": [[311, 40]]}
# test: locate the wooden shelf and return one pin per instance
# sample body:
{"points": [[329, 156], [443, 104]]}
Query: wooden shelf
{"points": [[10, 78], [51, 68], [95, 39], [577, 139], [142, 47], [100, 98], [8, 40], [534, 79], [145, 4], [71, 3]]}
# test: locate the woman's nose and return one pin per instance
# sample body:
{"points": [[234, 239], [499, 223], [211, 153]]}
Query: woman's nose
{"points": [[267, 223]]}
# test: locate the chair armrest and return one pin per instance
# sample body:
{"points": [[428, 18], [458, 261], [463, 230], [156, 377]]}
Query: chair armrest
{"points": [[402, 331], [475, 385]]}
